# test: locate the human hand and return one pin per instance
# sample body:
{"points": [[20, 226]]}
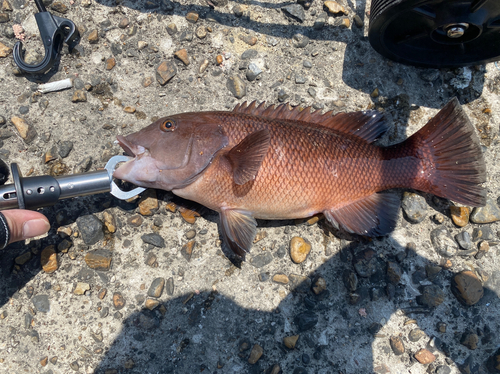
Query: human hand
{"points": [[20, 224]]}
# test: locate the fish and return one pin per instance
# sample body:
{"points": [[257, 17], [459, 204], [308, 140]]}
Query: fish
{"points": [[278, 162]]}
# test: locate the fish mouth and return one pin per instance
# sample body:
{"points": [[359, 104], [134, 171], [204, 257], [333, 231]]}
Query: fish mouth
{"points": [[130, 149]]}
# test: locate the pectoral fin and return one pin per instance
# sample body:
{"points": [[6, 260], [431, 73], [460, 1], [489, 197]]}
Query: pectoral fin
{"points": [[246, 157], [374, 215], [238, 230]]}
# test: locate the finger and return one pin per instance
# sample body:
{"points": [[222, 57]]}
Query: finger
{"points": [[24, 224]]}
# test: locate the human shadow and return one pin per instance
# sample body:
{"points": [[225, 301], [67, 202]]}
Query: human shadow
{"points": [[209, 332]]}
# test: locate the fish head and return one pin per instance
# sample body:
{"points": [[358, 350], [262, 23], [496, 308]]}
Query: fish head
{"points": [[172, 151]]}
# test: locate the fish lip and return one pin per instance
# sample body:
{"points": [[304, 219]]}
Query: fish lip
{"points": [[127, 146]]}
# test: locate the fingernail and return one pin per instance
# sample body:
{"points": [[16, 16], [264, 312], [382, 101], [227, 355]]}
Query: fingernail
{"points": [[35, 227]]}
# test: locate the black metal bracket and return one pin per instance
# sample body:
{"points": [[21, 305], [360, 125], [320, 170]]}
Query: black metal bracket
{"points": [[54, 31]]}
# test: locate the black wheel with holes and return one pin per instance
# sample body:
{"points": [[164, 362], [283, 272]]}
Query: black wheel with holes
{"points": [[436, 33]]}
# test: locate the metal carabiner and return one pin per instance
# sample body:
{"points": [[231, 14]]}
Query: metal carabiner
{"points": [[53, 31]]}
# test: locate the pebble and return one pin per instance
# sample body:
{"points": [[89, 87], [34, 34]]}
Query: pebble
{"points": [[141, 44], [397, 345], [153, 239], [219, 59], [299, 283], [109, 221], [90, 228], [192, 17], [460, 215], [170, 286], [27, 131], [290, 341], [319, 286], [24, 258], [102, 293], [172, 29], [306, 320], [255, 354], [148, 204], [482, 233], [414, 206], [151, 304], [464, 240], [467, 287], [415, 335], [300, 41], [4, 50], [93, 37], [424, 356], [59, 7], [136, 220], [350, 280], [321, 21], [438, 218], [65, 148], [484, 247], [49, 259], [253, 72], [432, 296], [469, 340], [156, 288], [187, 250], [493, 363], [110, 63], [203, 66], [41, 303], [334, 7], [183, 56], [81, 288], [79, 96], [300, 79], [358, 21], [486, 214], [124, 23], [190, 234], [394, 272], [99, 259], [299, 249], [295, 11], [236, 86], [344, 23], [249, 54], [165, 72], [443, 242], [261, 260], [365, 263], [280, 278], [118, 300], [248, 39]]}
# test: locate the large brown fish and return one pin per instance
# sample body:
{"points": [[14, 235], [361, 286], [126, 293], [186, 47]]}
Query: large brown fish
{"points": [[281, 163]]}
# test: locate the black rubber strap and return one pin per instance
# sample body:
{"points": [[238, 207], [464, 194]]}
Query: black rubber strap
{"points": [[4, 232]]}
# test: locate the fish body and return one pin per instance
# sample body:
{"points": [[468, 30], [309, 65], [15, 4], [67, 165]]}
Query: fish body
{"points": [[277, 163]]}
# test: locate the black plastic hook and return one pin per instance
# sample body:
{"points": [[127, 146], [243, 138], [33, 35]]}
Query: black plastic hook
{"points": [[54, 31]]}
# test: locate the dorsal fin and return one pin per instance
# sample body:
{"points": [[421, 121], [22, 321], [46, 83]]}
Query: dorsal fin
{"points": [[368, 125]]}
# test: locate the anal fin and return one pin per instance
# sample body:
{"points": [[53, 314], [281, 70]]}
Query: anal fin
{"points": [[375, 215], [238, 230]]}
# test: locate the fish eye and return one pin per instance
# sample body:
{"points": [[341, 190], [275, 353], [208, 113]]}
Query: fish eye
{"points": [[168, 125]]}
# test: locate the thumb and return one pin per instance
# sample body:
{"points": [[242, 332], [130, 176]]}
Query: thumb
{"points": [[24, 224]]}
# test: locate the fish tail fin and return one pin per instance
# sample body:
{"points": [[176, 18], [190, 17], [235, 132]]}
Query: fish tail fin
{"points": [[450, 159]]}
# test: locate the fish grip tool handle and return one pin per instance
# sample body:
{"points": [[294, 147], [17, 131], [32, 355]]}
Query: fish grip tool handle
{"points": [[41, 191]]}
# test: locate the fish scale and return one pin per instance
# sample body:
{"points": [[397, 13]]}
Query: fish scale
{"points": [[282, 163]]}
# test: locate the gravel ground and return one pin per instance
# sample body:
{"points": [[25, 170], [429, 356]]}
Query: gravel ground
{"points": [[144, 287]]}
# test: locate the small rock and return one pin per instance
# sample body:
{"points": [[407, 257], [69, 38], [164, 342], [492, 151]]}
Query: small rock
{"points": [[432, 296], [290, 341], [249, 54], [397, 345], [22, 259], [41, 303], [482, 233], [299, 283], [424, 357], [99, 260], [358, 21], [192, 17], [90, 228], [306, 320], [65, 148], [93, 37], [59, 7], [344, 23], [136, 220], [464, 240], [300, 40], [187, 250], [110, 63], [118, 300], [124, 23], [26, 130], [79, 96], [467, 287], [280, 278], [415, 335], [414, 206], [201, 32], [248, 39], [261, 260], [255, 354], [109, 221], [4, 50], [253, 72], [394, 272], [183, 56], [295, 11], [151, 304], [170, 286], [188, 215], [81, 288], [459, 215], [334, 7], [236, 86], [350, 280], [469, 340], [321, 21], [443, 242], [238, 10], [299, 249], [156, 288], [486, 214], [172, 29], [153, 239], [148, 204], [49, 259], [165, 72], [102, 293]]}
